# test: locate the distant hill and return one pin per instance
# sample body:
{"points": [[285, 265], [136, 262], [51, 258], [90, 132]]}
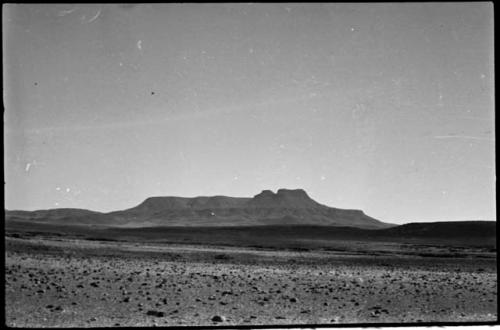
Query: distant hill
{"points": [[52, 213], [285, 207], [59, 216], [444, 229]]}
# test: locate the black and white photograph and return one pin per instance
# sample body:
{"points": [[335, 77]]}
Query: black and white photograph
{"points": [[249, 165]]}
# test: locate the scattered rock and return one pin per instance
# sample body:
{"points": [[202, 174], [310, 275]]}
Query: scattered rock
{"points": [[218, 318], [336, 319], [155, 313]]}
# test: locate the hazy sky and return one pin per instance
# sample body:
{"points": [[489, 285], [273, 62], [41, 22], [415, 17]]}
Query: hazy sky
{"points": [[388, 108]]}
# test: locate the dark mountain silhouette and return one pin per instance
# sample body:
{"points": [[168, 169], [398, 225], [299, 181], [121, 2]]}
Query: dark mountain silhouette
{"points": [[286, 207], [297, 198], [59, 216], [267, 208], [52, 213]]}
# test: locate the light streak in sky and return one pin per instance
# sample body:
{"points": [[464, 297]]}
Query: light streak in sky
{"points": [[462, 137], [95, 17], [66, 12]]}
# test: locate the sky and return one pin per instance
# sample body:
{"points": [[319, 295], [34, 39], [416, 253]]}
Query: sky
{"points": [[387, 108]]}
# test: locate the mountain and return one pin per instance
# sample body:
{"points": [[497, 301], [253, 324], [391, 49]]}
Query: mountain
{"points": [[285, 207], [297, 198], [267, 208], [58, 216], [52, 213]]}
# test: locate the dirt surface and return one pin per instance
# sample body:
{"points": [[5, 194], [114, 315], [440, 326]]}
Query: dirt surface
{"points": [[77, 283]]}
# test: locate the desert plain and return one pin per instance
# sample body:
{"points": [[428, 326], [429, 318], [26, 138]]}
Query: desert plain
{"points": [[54, 280]]}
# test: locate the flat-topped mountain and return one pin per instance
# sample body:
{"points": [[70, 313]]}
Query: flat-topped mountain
{"points": [[195, 203], [285, 207], [297, 198]]}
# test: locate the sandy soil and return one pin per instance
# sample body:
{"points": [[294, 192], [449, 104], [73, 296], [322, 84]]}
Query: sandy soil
{"points": [[71, 283]]}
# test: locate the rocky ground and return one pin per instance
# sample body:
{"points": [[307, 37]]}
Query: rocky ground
{"points": [[77, 283]]}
